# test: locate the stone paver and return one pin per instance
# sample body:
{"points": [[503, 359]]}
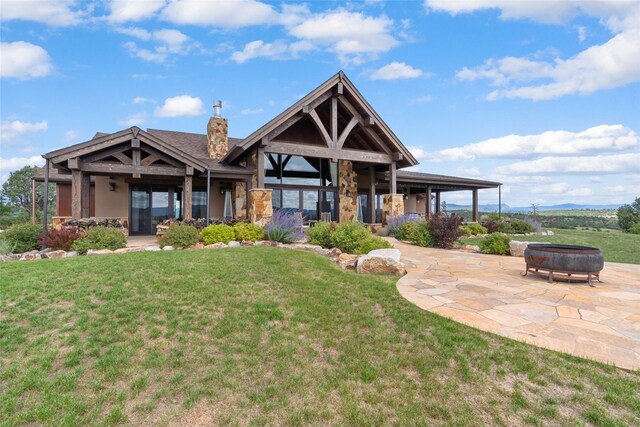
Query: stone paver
{"points": [[488, 293]]}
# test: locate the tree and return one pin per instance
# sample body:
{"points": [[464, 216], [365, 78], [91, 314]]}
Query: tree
{"points": [[17, 190], [628, 215]]}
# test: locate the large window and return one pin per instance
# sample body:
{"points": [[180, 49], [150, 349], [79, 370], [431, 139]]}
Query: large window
{"points": [[300, 171]]}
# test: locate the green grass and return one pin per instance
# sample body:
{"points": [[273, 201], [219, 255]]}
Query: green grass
{"points": [[616, 246], [257, 336]]}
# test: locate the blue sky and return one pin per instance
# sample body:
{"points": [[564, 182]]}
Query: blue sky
{"points": [[540, 95]]}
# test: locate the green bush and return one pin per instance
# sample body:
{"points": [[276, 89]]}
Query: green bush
{"points": [[23, 236], [217, 233], [407, 231], [246, 231], [100, 238], [473, 229], [496, 243], [635, 228], [522, 227], [371, 243], [320, 234], [180, 236], [6, 247], [349, 235]]}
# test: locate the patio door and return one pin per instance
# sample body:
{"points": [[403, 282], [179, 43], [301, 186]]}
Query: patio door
{"points": [[149, 207]]}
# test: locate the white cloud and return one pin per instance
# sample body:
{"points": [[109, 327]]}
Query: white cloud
{"points": [[11, 164], [127, 10], [226, 14], [169, 42], [182, 105], [605, 66], [141, 100], [349, 34], [249, 111], [396, 70], [276, 50], [11, 131], [424, 99], [613, 164], [582, 34], [471, 172], [57, 13], [598, 139], [134, 119], [24, 61], [70, 136]]}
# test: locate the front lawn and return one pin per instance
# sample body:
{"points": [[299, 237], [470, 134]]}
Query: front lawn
{"points": [[258, 335], [616, 246]]}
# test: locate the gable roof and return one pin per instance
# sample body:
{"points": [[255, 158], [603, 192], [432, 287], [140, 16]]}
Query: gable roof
{"points": [[361, 104]]}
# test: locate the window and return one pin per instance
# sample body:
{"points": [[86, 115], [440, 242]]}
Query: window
{"points": [[300, 171]]}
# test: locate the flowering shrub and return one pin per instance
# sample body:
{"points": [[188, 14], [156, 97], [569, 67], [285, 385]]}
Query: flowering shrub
{"points": [[60, 239], [218, 233], [445, 229], [537, 225], [284, 227], [180, 236], [394, 223]]}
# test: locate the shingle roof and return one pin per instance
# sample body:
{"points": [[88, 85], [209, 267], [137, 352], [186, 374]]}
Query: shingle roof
{"points": [[194, 144], [430, 178]]}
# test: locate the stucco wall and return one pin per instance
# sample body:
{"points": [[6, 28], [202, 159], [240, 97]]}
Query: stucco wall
{"points": [[216, 200], [410, 204], [112, 203]]}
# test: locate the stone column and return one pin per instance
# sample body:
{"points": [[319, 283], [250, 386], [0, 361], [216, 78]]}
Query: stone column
{"points": [[240, 200], [187, 195], [217, 141], [393, 205], [76, 194], [347, 191], [261, 206]]}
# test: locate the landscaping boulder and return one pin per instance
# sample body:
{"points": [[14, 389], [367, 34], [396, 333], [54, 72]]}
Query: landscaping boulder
{"points": [[128, 250], [71, 254], [386, 261], [234, 244], [266, 243], [28, 256], [197, 246], [517, 248], [92, 252], [54, 254], [347, 261], [168, 248], [472, 248], [152, 248], [247, 243]]}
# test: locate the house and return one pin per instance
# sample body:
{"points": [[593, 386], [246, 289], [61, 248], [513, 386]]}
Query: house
{"points": [[329, 156]]}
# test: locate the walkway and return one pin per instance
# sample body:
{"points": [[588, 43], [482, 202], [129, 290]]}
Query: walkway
{"points": [[488, 293]]}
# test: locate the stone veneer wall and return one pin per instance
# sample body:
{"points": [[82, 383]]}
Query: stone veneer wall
{"points": [[261, 206], [217, 142], [240, 200], [392, 205], [347, 181]]}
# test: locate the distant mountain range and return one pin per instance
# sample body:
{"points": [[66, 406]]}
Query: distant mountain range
{"points": [[507, 208]]}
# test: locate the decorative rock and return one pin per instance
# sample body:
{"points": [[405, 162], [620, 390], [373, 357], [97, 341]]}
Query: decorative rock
{"points": [[92, 252], [334, 253], [550, 233], [152, 248], [234, 244], [517, 248], [385, 261], [3, 258], [219, 245], [13, 257], [54, 254], [197, 246], [28, 256], [322, 251], [474, 248], [266, 243], [71, 254], [304, 247], [347, 261], [168, 248], [128, 250], [247, 243]]}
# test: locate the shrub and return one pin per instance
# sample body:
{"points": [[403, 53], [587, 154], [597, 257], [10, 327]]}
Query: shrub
{"points": [[635, 228], [395, 223], [496, 243], [521, 227], [284, 227], [491, 226], [505, 227], [60, 239], [418, 233], [180, 236], [100, 238], [348, 236], [23, 236], [371, 243], [245, 231], [218, 233], [320, 234], [537, 225], [408, 231], [472, 229], [445, 229], [6, 247]]}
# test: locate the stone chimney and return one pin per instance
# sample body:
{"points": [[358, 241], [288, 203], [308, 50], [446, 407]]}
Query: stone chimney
{"points": [[217, 143]]}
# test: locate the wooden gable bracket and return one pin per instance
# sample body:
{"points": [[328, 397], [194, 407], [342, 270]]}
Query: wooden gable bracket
{"points": [[74, 163]]}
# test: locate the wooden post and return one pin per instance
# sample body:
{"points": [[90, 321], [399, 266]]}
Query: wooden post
{"points": [[188, 180], [33, 200], [372, 194], [249, 185], [474, 214], [392, 178], [45, 208], [208, 194], [427, 210], [86, 196], [334, 121], [76, 194], [437, 201], [260, 167], [500, 201]]}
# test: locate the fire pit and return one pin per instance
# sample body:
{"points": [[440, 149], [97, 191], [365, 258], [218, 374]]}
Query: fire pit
{"points": [[566, 260]]}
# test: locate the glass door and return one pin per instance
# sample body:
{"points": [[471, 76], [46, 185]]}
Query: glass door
{"points": [[140, 211], [160, 209]]}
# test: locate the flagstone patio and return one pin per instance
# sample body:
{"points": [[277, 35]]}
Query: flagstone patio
{"points": [[487, 292]]}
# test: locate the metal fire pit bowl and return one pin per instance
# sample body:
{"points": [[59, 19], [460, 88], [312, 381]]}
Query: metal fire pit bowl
{"points": [[564, 262]]}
